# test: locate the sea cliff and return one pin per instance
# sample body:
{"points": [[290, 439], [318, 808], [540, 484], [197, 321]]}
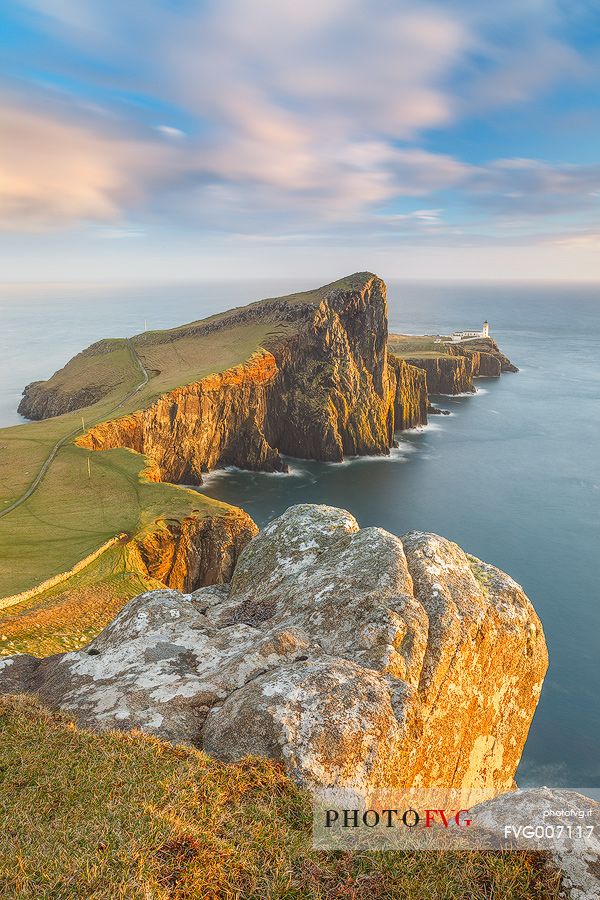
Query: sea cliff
{"points": [[452, 370], [193, 553], [324, 389]]}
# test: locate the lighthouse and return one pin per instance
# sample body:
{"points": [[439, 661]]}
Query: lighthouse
{"points": [[485, 331]]}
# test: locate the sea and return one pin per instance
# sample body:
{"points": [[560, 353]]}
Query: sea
{"points": [[512, 474]]}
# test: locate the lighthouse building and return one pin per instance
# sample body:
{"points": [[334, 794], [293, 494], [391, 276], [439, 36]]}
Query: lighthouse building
{"points": [[457, 336]]}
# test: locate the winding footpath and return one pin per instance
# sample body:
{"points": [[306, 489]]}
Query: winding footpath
{"points": [[63, 440]]}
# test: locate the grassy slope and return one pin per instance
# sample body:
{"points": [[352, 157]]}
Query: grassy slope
{"points": [[71, 614], [23, 448], [71, 514], [121, 815]]}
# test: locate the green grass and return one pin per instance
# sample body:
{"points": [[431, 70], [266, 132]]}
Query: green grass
{"points": [[74, 512], [415, 346], [71, 514], [122, 816], [187, 357], [71, 614], [23, 448]]}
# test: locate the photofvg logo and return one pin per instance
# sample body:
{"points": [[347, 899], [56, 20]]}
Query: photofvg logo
{"points": [[396, 818], [450, 818], [406, 819]]}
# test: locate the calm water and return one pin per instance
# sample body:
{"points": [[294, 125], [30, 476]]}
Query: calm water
{"points": [[513, 475]]}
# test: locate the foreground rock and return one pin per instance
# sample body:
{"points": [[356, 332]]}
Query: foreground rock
{"points": [[356, 658]]}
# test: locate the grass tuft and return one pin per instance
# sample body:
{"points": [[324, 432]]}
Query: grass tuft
{"points": [[123, 815]]}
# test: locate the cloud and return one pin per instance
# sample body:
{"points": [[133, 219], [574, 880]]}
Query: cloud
{"points": [[535, 187], [57, 172], [169, 132], [299, 115], [120, 233]]}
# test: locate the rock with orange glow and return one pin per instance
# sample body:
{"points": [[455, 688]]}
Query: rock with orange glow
{"points": [[355, 657]]}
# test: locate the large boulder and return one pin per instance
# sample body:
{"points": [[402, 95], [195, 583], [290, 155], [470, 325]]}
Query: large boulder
{"points": [[357, 658]]}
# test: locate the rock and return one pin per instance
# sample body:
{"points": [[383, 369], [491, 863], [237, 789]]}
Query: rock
{"points": [[446, 374], [453, 371], [410, 394], [197, 551], [485, 356], [577, 855], [355, 657], [323, 386]]}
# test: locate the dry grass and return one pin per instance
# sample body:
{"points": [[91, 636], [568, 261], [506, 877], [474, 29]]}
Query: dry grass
{"points": [[118, 815], [71, 615]]}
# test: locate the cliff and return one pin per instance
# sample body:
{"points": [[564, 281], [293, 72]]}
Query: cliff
{"points": [[217, 421], [409, 387], [89, 377], [323, 386], [308, 375], [198, 551], [446, 374], [485, 355], [354, 657], [451, 370]]}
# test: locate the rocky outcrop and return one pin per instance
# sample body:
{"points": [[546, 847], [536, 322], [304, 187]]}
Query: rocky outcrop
{"points": [[218, 421], [409, 386], [74, 386], [194, 552], [446, 374], [355, 657], [485, 356], [324, 391], [453, 371], [38, 402], [332, 395]]}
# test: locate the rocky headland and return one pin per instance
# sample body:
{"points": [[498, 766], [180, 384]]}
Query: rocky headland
{"points": [[323, 384], [326, 389], [452, 367]]}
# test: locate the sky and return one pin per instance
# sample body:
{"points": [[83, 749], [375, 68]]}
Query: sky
{"points": [[267, 138]]}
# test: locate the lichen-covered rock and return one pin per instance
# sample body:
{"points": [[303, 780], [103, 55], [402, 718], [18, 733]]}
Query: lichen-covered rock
{"points": [[355, 657]]}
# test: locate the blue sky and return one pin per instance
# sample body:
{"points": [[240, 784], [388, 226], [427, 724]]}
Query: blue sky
{"points": [[249, 138]]}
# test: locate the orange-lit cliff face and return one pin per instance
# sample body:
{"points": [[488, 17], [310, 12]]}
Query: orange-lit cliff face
{"points": [[213, 422], [328, 390]]}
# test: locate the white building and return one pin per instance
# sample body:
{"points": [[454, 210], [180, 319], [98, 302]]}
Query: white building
{"points": [[457, 336]]}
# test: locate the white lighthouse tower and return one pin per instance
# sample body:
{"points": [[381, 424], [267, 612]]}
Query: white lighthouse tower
{"points": [[485, 331]]}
